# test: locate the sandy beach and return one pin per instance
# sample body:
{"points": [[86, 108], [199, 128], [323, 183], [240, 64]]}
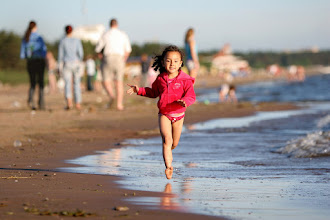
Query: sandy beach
{"points": [[35, 143]]}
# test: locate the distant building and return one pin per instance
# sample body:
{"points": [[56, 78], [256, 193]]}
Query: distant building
{"points": [[90, 33]]}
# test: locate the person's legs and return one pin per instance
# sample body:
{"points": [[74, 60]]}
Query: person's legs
{"points": [[76, 86], [32, 77], [90, 83], [67, 76], [52, 82], [165, 128], [176, 132], [41, 65], [120, 95], [193, 73], [108, 88], [192, 70], [118, 69], [107, 78]]}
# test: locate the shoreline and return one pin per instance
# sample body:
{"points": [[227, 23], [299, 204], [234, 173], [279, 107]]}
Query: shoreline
{"points": [[51, 137]]}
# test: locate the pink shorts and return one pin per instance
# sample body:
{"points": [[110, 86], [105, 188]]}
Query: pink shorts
{"points": [[174, 117]]}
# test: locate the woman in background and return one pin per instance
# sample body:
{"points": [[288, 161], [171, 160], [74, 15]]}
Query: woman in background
{"points": [[191, 53], [70, 56], [34, 50]]}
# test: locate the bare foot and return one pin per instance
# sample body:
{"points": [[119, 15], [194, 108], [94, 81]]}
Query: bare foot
{"points": [[78, 106], [120, 108], [173, 147], [169, 173]]}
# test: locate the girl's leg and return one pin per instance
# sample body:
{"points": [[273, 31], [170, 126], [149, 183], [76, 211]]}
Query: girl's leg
{"points": [[176, 132], [165, 128]]}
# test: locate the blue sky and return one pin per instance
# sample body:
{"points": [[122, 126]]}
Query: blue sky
{"points": [[246, 24]]}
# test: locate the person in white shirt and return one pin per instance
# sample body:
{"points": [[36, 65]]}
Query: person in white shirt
{"points": [[116, 48]]}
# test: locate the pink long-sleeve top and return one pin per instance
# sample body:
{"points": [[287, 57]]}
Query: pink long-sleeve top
{"points": [[180, 88]]}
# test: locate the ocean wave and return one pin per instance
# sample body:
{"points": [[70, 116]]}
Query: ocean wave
{"points": [[315, 144], [323, 121]]}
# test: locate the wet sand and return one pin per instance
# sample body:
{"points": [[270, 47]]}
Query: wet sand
{"points": [[30, 185]]}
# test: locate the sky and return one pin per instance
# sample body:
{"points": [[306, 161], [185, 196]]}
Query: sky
{"points": [[247, 25]]}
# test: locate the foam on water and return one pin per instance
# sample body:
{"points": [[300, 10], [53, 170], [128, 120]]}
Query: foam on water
{"points": [[313, 145]]}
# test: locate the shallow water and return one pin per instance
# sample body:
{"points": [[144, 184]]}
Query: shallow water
{"points": [[314, 88], [235, 167]]}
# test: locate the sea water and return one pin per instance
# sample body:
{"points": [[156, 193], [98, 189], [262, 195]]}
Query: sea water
{"points": [[269, 165]]}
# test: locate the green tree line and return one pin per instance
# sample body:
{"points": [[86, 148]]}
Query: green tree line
{"points": [[304, 58], [10, 50]]}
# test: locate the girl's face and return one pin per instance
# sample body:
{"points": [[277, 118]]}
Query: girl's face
{"points": [[172, 62]]}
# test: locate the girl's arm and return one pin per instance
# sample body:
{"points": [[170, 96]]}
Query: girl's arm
{"points": [[145, 91], [189, 96], [152, 92]]}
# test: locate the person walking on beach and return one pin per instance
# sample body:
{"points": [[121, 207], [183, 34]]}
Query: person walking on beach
{"points": [[116, 49], [191, 53], [33, 49], [90, 70], [52, 71], [70, 56], [145, 64], [176, 92]]}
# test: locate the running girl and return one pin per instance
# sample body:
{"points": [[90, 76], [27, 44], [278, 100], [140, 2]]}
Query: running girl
{"points": [[176, 92]]}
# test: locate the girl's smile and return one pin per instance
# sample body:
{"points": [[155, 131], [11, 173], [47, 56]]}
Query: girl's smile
{"points": [[172, 62]]}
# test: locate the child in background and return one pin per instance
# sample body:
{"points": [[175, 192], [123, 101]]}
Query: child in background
{"points": [[176, 92], [145, 63], [51, 64], [90, 70], [227, 93]]}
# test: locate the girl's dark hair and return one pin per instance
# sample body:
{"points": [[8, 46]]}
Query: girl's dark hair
{"points": [[68, 29], [28, 31], [158, 59]]}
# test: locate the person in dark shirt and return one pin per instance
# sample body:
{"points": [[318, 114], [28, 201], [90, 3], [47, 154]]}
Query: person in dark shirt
{"points": [[34, 50]]}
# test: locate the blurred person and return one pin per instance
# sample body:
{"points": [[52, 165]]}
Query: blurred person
{"points": [[300, 73], [274, 70], [152, 75], [116, 49], [145, 64], [176, 92], [98, 74], [191, 53], [292, 72], [34, 50], [90, 70], [70, 55], [227, 93], [52, 70]]}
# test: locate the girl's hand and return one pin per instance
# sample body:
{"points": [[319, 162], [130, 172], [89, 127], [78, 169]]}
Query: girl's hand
{"points": [[181, 102], [133, 89]]}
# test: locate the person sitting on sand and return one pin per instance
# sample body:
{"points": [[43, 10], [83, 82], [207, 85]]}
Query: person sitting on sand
{"points": [[227, 93], [176, 92]]}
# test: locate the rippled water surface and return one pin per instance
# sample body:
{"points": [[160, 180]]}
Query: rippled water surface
{"points": [[240, 168]]}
